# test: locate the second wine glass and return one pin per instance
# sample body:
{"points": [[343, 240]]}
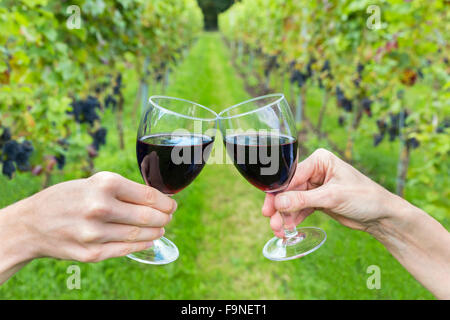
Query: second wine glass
{"points": [[261, 139]]}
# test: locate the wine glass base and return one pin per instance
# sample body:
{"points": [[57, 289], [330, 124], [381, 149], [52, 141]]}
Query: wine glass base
{"points": [[308, 240], [163, 251]]}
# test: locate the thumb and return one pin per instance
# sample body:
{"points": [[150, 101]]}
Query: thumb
{"points": [[294, 201]]}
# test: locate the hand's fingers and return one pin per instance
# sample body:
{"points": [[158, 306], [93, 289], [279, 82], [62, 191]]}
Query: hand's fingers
{"points": [[303, 215], [276, 221], [124, 233], [120, 249], [313, 169], [294, 201], [305, 169], [136, 193], [268, 208], [136, 215]]}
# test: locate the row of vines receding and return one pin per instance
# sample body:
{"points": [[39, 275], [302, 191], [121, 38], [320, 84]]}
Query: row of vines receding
{"points": [[383, 62], [61, 66]]}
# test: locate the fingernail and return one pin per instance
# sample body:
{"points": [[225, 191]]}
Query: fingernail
{"points": [[149, 244], [170, 217], [162, 231], [283, 202]]}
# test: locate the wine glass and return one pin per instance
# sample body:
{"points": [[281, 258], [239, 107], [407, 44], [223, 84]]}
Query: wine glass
{"points": [[174, 141], [261, 139]]}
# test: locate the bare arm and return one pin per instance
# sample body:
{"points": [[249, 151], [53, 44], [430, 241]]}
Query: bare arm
{"points": [[15, 251], [325, 182], [419, 243]]}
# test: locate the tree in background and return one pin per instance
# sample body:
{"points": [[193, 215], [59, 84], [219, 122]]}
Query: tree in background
{"points": [[211, 10]]}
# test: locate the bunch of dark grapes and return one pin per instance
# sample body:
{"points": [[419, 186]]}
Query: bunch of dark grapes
{"points": [[60, 161], [110, 101], [394, 128], [61, 158], [444, 125], [14, 155], [309, 71], [118, 85], [343, 102], [160, 72], [99, 137], [270, 65], [101, 87], [367, 106], [326, 70], [359, 70], [412, 143], [326, 67], [85, 111], [378, 137], [298, 77]]}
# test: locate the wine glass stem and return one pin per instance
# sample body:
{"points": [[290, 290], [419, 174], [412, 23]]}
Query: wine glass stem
{"points": [[289, 232]]}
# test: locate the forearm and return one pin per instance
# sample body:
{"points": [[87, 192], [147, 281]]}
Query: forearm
{"points": [[419, 243], [15, 241]]}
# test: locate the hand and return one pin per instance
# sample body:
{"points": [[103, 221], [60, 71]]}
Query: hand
{"points": [[325, 182], [91, 220]]}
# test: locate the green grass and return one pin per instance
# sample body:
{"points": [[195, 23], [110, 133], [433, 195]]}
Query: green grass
{"points": [[218, 227]]}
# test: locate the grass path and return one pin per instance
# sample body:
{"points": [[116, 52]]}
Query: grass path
{"points": [[229, 257], [218, 227]]}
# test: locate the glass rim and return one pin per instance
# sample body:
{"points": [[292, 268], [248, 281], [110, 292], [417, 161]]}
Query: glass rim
{"points": [[279, 95], [157, 105]]}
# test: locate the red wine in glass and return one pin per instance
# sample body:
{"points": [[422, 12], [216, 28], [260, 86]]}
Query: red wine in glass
{"points": [[170, 162], [252, 153]]}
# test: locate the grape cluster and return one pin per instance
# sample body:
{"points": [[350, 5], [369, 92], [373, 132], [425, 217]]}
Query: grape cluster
{"points": [[160, 72], [366, 104], [343, 102], [378, 137], [444, 125], [85, 111], [99, 137], [118, 85], [270, 65], [110, 101], [393, 130], [299, 77], [61, 158], [326, 69], [412, 143], [101, 87], [309, 71], [359, 70], [14, 155], [60, 161]]}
